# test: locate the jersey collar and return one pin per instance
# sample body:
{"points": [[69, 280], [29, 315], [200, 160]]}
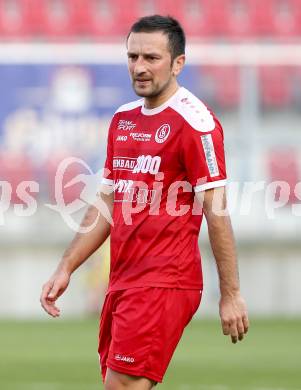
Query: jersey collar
{"points": [[157, 110]]}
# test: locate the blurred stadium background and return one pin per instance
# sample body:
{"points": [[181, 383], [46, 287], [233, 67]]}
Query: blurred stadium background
{"points": [[63, 73]]}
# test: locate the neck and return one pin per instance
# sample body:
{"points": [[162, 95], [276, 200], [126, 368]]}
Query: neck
{"points": [[162, 98]]}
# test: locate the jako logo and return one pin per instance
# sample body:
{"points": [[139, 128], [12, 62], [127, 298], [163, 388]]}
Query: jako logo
{"points": [[162, 133], [124, 358], [122, 138]]}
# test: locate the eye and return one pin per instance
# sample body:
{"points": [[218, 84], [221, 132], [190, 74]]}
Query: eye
{"points": [[132, 56]]}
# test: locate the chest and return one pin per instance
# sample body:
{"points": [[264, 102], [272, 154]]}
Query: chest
{"points": [[135, 135]]}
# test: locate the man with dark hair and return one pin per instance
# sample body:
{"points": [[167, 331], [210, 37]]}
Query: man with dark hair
{"points": [[165, 25], [165, 166]]}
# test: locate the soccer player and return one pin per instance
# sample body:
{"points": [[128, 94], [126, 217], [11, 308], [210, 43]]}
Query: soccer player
{"points": [[165, 168]]}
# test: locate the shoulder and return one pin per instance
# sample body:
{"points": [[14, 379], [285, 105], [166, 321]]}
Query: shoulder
{"points": [[130, 106], [193, 111]]}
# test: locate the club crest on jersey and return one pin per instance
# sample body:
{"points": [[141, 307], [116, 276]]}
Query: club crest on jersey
{"points": [[162, 133]]}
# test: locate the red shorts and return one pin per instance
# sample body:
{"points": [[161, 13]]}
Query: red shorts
{"points": [[141, 327]]}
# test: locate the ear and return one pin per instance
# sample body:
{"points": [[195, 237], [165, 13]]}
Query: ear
{"points": [[178, 64]]}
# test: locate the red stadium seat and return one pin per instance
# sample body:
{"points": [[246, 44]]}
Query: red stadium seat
{"points": [[276, 86], [55, 18], [102, 18], [237, 19], [225, 84], [278, 18], [16, 168], [263, 17], [131, 10], [283, 165], [15, 21], [286, 21], [198, 18]]}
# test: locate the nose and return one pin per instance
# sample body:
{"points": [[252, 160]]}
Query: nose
{"points": [[139, 67]]}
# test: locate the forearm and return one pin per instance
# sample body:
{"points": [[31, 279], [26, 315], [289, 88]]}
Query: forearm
{"points": [[221, 239], [96, 227], [85, 244], [232, 307], [224, 253]]}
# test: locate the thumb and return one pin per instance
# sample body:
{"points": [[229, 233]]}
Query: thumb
{"points": [[54, 292]]}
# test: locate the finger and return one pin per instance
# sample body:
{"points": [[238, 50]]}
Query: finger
{"points": [[45, 291], [234, 332], [246, 324], [44, 295], [226, 328], [51, 308], [48, 304], [240, 329], [54, 293]]}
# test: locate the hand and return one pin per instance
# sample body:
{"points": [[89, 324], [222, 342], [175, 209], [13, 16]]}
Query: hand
{"points": [[51, 290], [234, 317]]}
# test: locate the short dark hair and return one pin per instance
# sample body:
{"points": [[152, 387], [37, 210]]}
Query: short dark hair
{"points": [[169, 26]]}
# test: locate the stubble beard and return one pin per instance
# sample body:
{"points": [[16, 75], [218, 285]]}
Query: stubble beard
{"points": [[154, 91]]}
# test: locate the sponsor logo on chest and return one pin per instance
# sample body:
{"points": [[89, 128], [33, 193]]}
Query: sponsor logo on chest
{"points": [[125, 125], [141, 164], [161, 135], [126, 191], [142, 137], [124, 163]]}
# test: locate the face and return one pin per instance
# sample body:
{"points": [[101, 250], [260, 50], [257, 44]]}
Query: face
{"points": [[149, 61]]}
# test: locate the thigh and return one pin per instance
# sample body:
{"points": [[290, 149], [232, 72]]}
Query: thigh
{"points": [[105, 331], [147, 325]]}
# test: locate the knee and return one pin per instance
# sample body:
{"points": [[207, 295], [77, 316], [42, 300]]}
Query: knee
{"points": [[110, 384], [115, 381], [118, 381]]}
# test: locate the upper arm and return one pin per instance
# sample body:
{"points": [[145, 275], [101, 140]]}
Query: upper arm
{"points": [[204, 158], [106, 193], [214, 202], [108, 174]]}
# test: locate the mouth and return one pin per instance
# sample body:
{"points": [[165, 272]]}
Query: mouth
{"points": [[142, 81]]}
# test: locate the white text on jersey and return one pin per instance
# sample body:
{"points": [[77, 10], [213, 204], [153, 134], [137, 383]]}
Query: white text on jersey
{"points": [[141, 164], [125, 125], [147, 164]]}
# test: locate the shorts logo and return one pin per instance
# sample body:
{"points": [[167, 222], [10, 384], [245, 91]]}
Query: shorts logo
{"points": [[162, 133], [123, 358], [210, 155]]}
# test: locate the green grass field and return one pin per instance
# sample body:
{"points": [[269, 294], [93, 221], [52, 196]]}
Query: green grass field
{"points": [[61, 355]]}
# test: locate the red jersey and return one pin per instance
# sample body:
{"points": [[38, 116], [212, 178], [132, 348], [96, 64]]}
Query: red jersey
{"points": [[156, 160]]}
